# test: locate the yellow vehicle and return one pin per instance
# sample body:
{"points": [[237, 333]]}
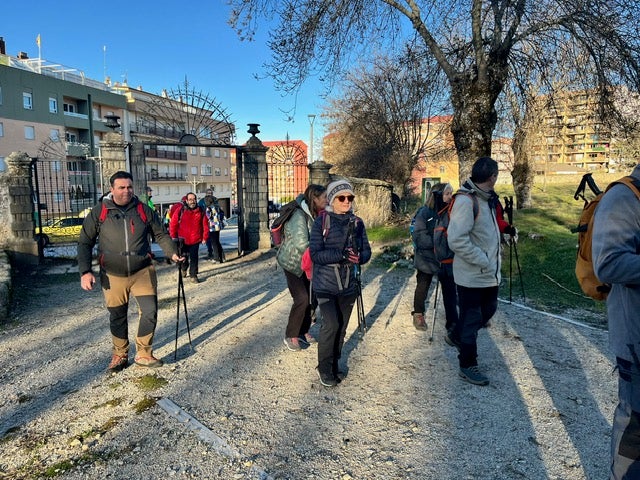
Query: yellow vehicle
{"points": [[58, 230]]}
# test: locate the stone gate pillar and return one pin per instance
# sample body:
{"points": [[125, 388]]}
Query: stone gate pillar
{"points": [[255, 192], [319, 173], [16, 209], [113, 157]]}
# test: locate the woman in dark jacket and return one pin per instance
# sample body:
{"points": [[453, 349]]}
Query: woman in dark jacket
{"points": [[425, 261], [338, 246]]}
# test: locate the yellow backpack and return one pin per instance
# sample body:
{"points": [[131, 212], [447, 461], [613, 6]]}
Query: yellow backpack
{"points": [[587, 278]]}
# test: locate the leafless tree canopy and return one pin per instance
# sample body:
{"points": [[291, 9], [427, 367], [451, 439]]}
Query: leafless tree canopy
{"points": [[478, 44], [377, 122]]}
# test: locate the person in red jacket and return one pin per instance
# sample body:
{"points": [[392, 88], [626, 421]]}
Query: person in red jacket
{"points": [[189, 225]]}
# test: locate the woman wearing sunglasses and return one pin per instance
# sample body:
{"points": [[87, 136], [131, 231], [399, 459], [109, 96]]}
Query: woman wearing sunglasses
{"points": [[338, 246]]}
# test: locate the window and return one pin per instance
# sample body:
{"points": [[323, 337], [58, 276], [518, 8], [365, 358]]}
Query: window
{"points": [[54, 134], [0, 95], [53, 105], [204, 152], [225, 154], [1, 130], [69, 108], [217, 172], [29, 132], [205, 169], [194, 170], [27, 100], [56, 166], [194, 150], [216, 153], [3, 165], [70, 137], [226, 172]]}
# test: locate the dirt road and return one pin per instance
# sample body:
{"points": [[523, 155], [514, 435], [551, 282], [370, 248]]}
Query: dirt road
{"points": [[239, 405]]}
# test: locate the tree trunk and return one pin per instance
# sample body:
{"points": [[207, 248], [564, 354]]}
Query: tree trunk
{"points": [[474, 120], [522, 174]]}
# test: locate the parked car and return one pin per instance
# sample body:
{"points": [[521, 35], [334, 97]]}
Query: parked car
{"points": [[58, 230]]}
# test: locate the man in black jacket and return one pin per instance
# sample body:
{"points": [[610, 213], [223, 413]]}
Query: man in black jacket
{"points": [[124, 253]]}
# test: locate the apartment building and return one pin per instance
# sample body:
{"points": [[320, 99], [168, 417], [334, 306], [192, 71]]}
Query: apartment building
{"points": [[568, 133], [50, 111]]}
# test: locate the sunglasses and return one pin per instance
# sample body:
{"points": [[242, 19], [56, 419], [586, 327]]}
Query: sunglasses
{"points": [[342, 198]]}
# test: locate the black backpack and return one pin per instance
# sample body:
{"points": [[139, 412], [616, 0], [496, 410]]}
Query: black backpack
{"points": [[277, 226]]}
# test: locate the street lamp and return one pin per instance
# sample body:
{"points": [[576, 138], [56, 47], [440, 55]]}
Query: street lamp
{"points": [[312, 119]]}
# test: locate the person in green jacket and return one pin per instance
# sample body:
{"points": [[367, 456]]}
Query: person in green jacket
{"points": [[296, 241]]}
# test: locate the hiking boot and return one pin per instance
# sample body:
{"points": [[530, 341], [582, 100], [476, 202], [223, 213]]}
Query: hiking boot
{"points": [[185, 273], [473, 375], [308, 338], [327, 379], [118, 363], [194, 279], [293, 344], [151, 362], [418, 321], [210, 256], [451, 340]]}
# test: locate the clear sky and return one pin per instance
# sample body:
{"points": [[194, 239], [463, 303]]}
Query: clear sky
{"points": [[156, 44]]}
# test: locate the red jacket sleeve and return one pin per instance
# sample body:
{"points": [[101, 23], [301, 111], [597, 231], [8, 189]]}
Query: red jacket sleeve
{"points": [[502, 223]]}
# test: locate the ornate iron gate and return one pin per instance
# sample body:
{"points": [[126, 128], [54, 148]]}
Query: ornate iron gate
{"points": [[287, 172]]}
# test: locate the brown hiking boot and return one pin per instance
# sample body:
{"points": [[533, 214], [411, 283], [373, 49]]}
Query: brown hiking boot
{"points": [[151, 362], [418, 321], [118, 363]]}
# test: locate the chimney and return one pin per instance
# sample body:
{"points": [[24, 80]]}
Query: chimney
{"points": [[3, 47], [23, 56]]}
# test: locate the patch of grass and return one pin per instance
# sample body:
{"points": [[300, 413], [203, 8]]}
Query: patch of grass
{"points": [[59, 468], [145, 404], [109, 424], [385, 234], [151, 382], [114, 402], [546, 252]]}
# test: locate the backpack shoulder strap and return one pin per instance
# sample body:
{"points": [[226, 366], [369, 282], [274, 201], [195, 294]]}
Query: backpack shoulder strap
{"points": [[476, 207], [631, 182], [103, 213]]}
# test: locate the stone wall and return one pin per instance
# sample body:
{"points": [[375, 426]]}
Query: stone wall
{"points": [[373, 199]]}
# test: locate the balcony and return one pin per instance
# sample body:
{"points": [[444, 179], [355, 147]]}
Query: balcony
{"points": [[166, 176], [168, 154]]}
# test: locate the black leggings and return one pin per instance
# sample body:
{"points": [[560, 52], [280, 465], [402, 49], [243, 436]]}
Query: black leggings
{"points": [[336, 310]]}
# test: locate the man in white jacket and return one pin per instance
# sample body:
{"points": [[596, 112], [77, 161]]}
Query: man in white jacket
{"points": [[475, 241]]}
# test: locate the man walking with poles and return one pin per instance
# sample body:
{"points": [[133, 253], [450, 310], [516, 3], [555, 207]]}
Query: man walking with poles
{"points": [[125, 225], [475, 241]]}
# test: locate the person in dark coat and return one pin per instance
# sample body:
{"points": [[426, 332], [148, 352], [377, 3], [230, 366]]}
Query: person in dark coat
{"points": [[425, 260], [338, 246], [124, 225]]}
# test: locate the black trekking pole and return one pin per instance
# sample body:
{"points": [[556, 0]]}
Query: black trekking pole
{"points": [[435, 310], [512, 245], [362, 323], [184, 303]]}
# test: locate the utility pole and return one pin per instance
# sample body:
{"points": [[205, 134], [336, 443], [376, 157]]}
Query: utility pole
{"points": [[312, 119]]}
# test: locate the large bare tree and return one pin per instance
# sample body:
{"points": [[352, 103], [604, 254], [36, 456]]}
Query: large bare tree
{"points": [[476, 43], [377, 122]]}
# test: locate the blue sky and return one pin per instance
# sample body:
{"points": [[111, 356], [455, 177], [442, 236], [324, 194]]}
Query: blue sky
{"points": [[155, 45]]}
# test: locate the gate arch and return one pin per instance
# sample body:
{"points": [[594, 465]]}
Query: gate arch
{"points": [[287, 171]]}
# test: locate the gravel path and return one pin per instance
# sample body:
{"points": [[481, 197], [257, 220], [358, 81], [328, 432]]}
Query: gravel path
{"points": [[240, 406]]}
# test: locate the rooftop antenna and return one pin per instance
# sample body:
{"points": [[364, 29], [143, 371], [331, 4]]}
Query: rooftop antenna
{"points": [[104, 62]]}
